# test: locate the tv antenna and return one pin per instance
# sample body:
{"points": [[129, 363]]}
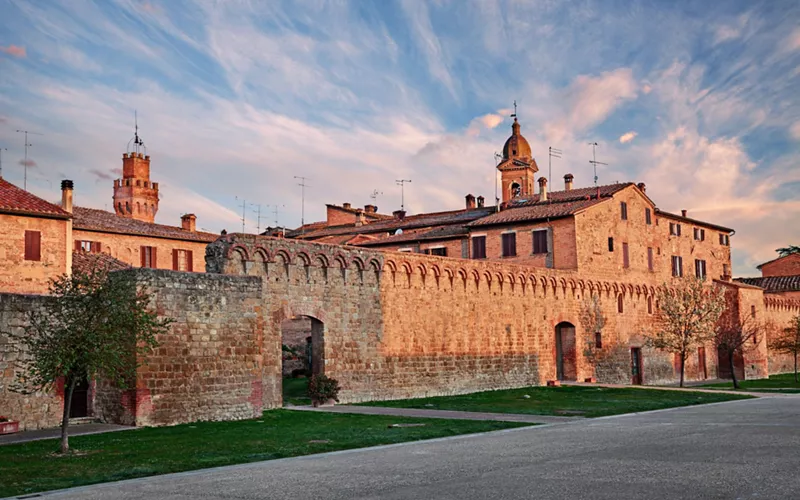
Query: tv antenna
{"points": [[244, 207], [552, 153], [594, 161], [25, 163], [137, 141], [303, 187], [259, 218], [374, 195], [1, 160], [401, 183]]}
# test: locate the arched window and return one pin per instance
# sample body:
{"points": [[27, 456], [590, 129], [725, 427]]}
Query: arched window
{"points": [[516, 190], [127, 207], [138, 207], [650, 304], [619, 303]]}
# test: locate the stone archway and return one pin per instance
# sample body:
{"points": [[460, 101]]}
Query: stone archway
{"points": [[303, 355], [566, 352]]}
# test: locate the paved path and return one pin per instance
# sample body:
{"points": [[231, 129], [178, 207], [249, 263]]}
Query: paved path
{"points": [[754, 394], [422, 413], [76, 430], [739, 449]]}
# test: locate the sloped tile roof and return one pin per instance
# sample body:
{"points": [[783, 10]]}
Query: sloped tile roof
{"points": [[86, 262], [688, 220], [539, 211], [91, 219], [774, 283], [576, 194], [18, 201], [433, 233], [791, 256]]}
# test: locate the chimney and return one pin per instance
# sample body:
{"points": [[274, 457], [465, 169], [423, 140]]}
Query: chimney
{"points": [[683, 213], [66, 195], [346, 205], [568, 182], [399, 214], [188, 222], [370, 209], [642, 187], [470, 201], [542, 189], [480, 201], [360, 219]]}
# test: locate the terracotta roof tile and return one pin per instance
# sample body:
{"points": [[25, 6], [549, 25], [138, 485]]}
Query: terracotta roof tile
{"points": [[433, 233], [688, 220], [86, 262], [577, 194], [91, 219], [774, 283], [16, 200], [536, 212]]}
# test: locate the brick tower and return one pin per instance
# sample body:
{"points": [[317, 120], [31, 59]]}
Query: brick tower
{"points": [[517, 169], [134, 195]]}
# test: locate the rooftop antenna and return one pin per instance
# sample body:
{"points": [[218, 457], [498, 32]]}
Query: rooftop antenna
{"points": [[374, 196], [303, 187], [27, 145], [497, 159], [257, 207], [401, 183], [1, 161], [552, 153], [244, 207], [594, 162], [137, 141], [275, 212]]}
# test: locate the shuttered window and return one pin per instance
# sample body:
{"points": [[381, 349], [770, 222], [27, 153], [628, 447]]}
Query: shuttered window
{"points": [[509, 241], [699, 234], [479, 247], [88, 246], [724, 239], [700, 269], [148, 255], [648, 216], [623, 208], [33, 245], [611, 244], [649, 259], [626, 261], [182, 260], [540, 241], [674, 229], [677, 266]]}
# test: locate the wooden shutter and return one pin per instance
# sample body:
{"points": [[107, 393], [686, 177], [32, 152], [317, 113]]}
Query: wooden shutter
{"points": [[143, 254], [175, 260], [189, 261], [153, 261], [95, 245], [77, 245], [626, 263], [647, 216], [33, 248]]}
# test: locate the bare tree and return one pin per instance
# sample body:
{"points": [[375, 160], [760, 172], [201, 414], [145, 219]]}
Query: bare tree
{"points": [[788, 342], [686, 318], [734, 336]]}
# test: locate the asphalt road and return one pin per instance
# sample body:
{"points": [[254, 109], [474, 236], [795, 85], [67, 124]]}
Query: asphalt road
{"points": [[744, 449]]}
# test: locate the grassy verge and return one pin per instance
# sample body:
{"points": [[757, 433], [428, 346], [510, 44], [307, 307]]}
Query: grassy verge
{"points": [[776, 383], [31, 467], [295, 392], [563, 401]]}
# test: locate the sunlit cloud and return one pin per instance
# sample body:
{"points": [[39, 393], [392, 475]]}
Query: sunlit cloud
{"points": [[14, 50], [627, 137]]}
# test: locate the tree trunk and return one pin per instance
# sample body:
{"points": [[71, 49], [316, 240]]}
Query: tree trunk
{"points": [[683, 366], [733, 369], [65, 417]]}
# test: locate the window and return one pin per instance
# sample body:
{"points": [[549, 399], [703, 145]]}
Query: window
{"points": [[33, 245], [182, 260], [440, 251], [752, 311], [623, 210], [465, 249], [516, 190], [509, 241], [650, 304], [598, 340], [479, 247], [649, 259], [540, 241], [677, 266], [619, 303], [699, 234], [674, 229], [648, 218], [626, 261], [148, 255], [87, 246], [724, 239], [700, 268], [407, 250], [610, 244]]}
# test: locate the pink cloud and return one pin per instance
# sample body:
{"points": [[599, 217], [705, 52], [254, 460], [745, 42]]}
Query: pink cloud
{"points": [[627, 137], [14, 50], [28, 163]]}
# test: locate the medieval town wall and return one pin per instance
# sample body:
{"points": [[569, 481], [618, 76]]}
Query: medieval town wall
{"points": [[779, 313]]}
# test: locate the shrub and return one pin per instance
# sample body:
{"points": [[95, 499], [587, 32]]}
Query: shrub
{"points": [[322, 388]]}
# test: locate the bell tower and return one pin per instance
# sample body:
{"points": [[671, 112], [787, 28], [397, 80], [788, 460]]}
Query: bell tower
{"points": [[135, 196], [517, 168]]}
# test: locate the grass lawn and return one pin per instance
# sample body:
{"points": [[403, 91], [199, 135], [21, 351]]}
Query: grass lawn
{"points": [[295, 392], [31, 467], [776, 383], [564, 401]]}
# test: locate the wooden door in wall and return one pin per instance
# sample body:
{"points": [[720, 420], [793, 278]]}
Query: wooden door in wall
{"points": [[566, 353], [701, 363], [80, 399], [636, 366]]}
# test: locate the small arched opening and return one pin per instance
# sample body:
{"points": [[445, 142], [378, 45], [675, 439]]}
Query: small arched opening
{"points": [[303, 356], [566, 352]]}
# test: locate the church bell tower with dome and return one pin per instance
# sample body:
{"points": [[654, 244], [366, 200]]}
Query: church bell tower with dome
{"points": [[517, 169]]}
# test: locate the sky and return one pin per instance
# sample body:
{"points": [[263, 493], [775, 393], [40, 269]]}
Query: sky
{"points": [[235, 99]]}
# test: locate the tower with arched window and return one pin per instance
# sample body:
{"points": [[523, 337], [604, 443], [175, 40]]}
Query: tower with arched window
{"points": [[134, 195], [517, 169]]}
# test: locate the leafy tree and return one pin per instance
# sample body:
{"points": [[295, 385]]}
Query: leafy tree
{"points": [[783, 252], [788, 342], [95, 324], [734, 336], [686, 318]]}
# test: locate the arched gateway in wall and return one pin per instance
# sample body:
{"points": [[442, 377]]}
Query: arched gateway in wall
{"points": [[566, 352]]}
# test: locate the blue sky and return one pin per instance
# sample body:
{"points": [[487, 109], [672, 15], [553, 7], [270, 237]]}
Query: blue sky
{"points": [[699, 100]]}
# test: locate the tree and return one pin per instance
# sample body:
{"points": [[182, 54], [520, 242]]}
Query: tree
{"points": [[734, 336], [686, 317], [783, 252], [788, 342], [95, 324]]}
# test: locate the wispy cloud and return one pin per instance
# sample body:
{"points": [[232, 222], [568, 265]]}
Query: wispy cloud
{"points": [[14, 50]]}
